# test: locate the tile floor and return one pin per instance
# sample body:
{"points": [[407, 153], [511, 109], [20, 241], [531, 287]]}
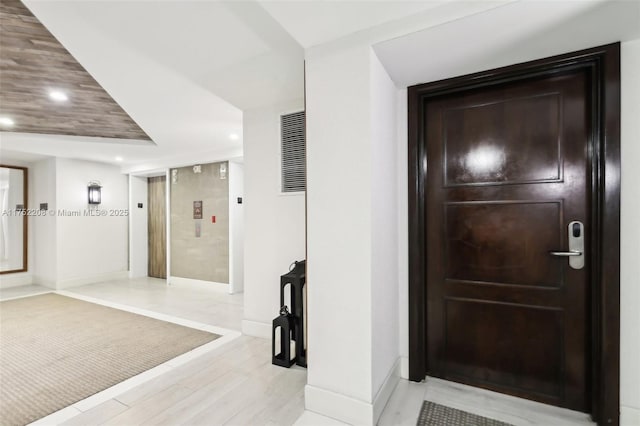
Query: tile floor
{"points": [[404, 405], [235, 384]]}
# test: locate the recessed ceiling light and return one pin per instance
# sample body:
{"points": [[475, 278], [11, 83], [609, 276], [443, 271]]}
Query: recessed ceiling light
{"points": [[6, 122], [119, 158], [58, 96], [234, 136]]}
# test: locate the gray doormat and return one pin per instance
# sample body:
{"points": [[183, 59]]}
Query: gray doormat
{"points": [[433, 414]]}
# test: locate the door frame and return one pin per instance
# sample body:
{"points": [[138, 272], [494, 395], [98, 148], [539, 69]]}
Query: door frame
{"points": [[603, 67]]}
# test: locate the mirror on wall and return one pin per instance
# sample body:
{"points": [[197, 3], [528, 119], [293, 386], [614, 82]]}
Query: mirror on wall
{"points": [[13, 221]]}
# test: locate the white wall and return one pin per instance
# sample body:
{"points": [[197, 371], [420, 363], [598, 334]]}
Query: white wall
{"points": [[630, 236], [403, 230], [44, 228], [138, 227], [352, 234], [236, 227], [91, 248], [274, 223], [339, 225], [384, 229], [66, 251]]}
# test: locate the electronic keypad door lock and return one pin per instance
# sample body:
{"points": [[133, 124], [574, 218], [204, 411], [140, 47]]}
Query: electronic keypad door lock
{"points": [[576, 246]]}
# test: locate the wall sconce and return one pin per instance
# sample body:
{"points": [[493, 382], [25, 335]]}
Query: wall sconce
{"points": [[223, 170], [94, 190]]}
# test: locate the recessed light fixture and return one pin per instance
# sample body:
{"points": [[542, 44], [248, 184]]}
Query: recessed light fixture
{"points": [[58, 96], [234, 136], [119, 158], [6, 122]]}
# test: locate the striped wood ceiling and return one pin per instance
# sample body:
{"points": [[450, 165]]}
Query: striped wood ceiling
{"points": [[33, 62]]}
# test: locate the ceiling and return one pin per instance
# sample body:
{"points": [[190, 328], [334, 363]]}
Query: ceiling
{"points": [[315, 22], [232, 49], [186, 70], [470, 47], [33, 63]]}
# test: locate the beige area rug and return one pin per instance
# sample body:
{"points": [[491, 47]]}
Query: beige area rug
{"points": [[57, 350]]}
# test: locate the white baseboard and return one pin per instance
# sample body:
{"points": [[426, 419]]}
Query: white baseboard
{"points": [[337, 406], [629, 416], [223, 287], [75, 282], [256, 329], [16, 280], [133, 275], [351, 410], [309, 418], [385, 391], [44, 282], [404, 367]]}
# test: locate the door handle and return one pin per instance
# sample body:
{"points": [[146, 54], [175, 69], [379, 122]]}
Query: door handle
{"points": [[576, 245], [565, 253]]}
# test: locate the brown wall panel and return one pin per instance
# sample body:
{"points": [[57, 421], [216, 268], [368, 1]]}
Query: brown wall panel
{"points": [[157, 227]]}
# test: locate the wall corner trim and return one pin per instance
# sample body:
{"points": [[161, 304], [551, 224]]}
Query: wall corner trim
{"points": [[387, 388], [351, 410], [338, 406], [256, 329], [44, 282], [404, 367], [629, 416], [76, 282], [16, 280], [186, 282]]}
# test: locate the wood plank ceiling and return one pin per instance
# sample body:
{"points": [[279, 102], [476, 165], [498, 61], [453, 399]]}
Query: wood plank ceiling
{"points": [[32, 64]]}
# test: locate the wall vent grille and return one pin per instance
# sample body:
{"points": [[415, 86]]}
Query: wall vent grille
{"points": [[293, 139]]}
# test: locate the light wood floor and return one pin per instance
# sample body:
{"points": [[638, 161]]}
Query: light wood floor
{"points": [[405, 402], [235, 384]]}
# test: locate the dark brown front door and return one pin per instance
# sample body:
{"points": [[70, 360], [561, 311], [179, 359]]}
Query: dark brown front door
{"points": [[508, 171]]}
